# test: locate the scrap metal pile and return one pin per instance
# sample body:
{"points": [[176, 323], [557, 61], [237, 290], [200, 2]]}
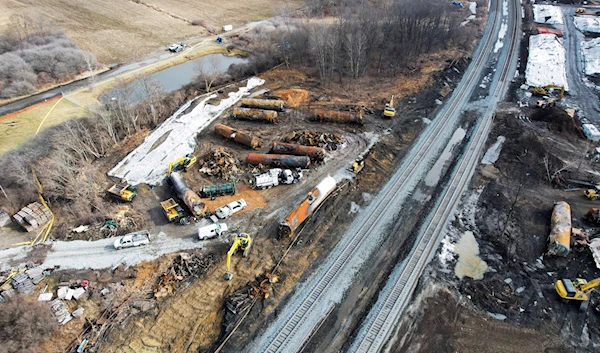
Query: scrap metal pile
{"points": [[313, 138], [184, 268], [219, 163]]}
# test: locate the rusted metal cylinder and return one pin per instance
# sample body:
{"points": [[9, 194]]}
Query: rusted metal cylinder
{"points": [[310, 204], [189, 197], [315, 153], [278, 160], [560, 230], [238, 136], [273, 104], [335, 116], [269, 116]]}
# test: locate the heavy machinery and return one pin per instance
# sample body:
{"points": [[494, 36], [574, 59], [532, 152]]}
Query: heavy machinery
{"points": [[389, 111], [243, 242], [546, 103], [543, 91], [593, 194], [173, 211], [181, 163], [274, 177], [358, 165], [579, 289], [212, 191], [124, 192]]}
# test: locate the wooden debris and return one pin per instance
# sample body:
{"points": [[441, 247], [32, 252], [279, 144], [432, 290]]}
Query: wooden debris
{"points": [[219, 163], [185, 267], [313, 138]]}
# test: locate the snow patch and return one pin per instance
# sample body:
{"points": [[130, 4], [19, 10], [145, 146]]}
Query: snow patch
{"points": [[591, 55], [587, 24], [473, 7], [469, 19], [547, 14], [492, 154], [354, 207], [148, 163], [546, 62], [447, 253], [500, 42]]}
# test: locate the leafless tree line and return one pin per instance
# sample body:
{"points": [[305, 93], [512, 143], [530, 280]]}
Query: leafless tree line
{"points": [[63, 155], [35, 53], [382, 36]]}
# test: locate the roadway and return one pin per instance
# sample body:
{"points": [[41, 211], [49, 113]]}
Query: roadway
{"points": [[314, 299]]}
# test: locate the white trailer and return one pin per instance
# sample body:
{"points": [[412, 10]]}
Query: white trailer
{"points": [[275, 177], [591, 132]]}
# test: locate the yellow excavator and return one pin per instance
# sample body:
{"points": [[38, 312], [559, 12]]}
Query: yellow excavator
{"points": [[547, 102], [389, 111], [593, 194], [243, 242], [358, 165], [579, 289], [183, 162]]}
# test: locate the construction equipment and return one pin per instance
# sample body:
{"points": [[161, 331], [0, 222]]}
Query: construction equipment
{"points": [[543, 91], [358, 165], [124, 192], [181, 163], [579, 289], [275, 177], [546, 103], [243, 242], [389, 111], [307, 207], [173, 211], [593, 194], [212, 191], [580, 10]]}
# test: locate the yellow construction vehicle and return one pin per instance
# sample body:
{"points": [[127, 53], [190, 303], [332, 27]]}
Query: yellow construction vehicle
{"points": [[543, 91], [593, 194], [546, 103], [123, 192], [580, 10], [242, 241], [579, 289], [358, 165], [389, 111], [183, 162], [173, 211]]}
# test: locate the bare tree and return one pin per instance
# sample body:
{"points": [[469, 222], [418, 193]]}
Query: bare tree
{"points": [[208, 72]]}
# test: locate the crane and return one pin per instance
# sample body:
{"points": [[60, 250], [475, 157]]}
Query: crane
{"points": [[242, 241], [183, 162], [579, 289], [389, 111]]}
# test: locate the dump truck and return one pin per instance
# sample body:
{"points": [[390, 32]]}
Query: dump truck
{"points": [[172, 210], [123, 192], [274, 177], [307, 207], [560, 230], [212, 191], [189, 197]]}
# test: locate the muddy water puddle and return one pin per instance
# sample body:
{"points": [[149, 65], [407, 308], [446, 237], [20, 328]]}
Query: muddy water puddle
{"points": [[435, 173], [469, 263]]}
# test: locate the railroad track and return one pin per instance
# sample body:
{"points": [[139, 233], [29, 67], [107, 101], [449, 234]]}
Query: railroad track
{"points": [[397, 292], [425, 149]]}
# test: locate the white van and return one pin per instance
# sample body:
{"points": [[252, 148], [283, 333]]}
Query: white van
{"points": [[212, 231]]}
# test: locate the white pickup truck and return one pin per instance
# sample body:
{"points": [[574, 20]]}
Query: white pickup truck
{"points": [[230, 208], [133, 239], [275, 177]]}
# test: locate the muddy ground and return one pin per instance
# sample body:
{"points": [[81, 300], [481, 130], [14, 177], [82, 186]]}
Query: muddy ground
{"points": [[519, 284]]}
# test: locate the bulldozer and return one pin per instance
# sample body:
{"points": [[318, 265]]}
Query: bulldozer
{"points": [[358, 165], [593, 194], [243, 242], [123, 192], [389, 111], [548, 102], [182, 163], [579, 289]]}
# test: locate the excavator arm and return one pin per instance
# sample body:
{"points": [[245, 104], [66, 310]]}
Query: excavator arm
{"points": [[590, 285], [236, 244]]}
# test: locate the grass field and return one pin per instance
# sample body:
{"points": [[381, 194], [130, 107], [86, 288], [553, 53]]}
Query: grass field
{"points": [[122, 30]]}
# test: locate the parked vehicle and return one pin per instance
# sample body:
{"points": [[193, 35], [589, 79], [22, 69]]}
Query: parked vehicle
{"points": [[212, 231], [231, 208], [275, 177], [174, 48], [133, 239]]}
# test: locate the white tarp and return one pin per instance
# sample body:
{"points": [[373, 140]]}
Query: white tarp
{"points": [[149, 163], [546, 62], [587, 24], [595, 249], [547, 14], [473, 7], [591, 56]]}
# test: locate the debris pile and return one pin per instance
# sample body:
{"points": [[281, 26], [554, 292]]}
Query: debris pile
{"points": [[60, 311], [313, 138], [33, 216], [219, 163], [22, 283], [241, 300], [185, 267]]}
